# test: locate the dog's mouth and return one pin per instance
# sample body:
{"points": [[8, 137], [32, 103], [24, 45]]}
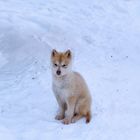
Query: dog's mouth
{"points": [[60, 75]]}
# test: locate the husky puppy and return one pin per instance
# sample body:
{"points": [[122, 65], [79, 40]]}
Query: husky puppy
{"points": [[70, 89]]}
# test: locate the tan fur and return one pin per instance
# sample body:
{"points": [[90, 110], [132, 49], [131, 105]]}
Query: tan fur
{"points": [[70, 90]]}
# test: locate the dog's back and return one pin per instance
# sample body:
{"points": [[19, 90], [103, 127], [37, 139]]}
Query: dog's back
{"points": [[84, 100]]}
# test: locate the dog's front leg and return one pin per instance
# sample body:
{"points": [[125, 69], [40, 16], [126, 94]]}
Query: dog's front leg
{"points": [[61, 112], [70, 110]]}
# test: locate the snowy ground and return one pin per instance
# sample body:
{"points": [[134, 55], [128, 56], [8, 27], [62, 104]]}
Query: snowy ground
{"points": [[105, 39]]}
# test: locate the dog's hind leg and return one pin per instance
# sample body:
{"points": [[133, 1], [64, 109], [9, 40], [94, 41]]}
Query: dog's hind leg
{"points": [[76, 118]]}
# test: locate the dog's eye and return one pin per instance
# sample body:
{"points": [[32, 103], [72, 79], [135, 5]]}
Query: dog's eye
{"points": [[64, 66], [55, 65]]}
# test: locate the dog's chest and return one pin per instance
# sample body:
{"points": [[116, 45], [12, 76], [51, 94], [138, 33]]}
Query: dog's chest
{"points": [[62, 90], [62, 94]]}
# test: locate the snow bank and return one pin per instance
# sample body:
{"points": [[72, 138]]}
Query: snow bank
{"points": [[104, 38]]}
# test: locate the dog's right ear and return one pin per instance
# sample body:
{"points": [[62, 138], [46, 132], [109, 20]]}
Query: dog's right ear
{"points": [[54, 52]]}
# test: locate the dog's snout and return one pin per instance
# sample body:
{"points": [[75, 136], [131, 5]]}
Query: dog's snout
{"points": [[58, 72]]}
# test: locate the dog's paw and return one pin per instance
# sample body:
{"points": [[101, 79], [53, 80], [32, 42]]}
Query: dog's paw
{"points": [[66, 121], [59, 117]]}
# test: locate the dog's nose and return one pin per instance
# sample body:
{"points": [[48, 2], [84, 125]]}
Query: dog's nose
{"points": [[58, 72]]}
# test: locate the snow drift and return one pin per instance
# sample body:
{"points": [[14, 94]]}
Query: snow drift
{"points": [[104, 38]]}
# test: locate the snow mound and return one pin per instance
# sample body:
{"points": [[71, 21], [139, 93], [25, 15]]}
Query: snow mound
{"points": [[104, 38]]}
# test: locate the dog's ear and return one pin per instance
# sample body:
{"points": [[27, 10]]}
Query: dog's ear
{"points": [[54, 52], [68, 53]]}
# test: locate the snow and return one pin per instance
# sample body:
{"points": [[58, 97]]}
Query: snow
{"points": [[104, 37]]}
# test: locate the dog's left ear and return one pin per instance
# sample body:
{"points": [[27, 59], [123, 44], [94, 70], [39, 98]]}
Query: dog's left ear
{"points": [[68, 53]]}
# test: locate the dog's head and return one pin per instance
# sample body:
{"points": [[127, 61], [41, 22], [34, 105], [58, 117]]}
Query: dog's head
{"points": [[61, 62]]}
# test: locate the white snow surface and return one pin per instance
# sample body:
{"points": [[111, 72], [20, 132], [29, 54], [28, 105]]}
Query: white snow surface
{"points": [[104, 37]]}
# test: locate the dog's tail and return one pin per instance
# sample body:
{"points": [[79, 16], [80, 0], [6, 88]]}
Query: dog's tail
{"points": [[88, 117]]}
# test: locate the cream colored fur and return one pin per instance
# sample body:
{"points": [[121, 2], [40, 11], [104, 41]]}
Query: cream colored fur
{"points": [[70, 90]]}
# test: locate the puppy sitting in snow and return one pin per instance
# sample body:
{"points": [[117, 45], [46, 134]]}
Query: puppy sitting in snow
{"points": [[70, 89]]}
